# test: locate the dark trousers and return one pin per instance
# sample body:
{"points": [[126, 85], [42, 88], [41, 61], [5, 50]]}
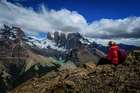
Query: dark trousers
{"points": [[104, 61]]}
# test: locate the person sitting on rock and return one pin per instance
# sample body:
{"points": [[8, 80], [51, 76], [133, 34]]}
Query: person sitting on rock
{"points": [[112, 54]]}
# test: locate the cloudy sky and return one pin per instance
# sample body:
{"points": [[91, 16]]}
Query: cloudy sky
{"points": [[101, 20]]}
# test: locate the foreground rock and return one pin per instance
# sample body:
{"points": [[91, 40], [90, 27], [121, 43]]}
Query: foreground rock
{"points": [[101, 79]]}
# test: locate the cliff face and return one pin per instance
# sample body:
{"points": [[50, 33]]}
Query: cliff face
{"points": [[72, 40], [89, 79], [18, 62]]}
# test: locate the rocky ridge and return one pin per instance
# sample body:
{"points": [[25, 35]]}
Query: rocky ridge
{"points": [[88, 79]]}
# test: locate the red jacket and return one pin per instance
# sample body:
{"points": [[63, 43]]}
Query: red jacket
{"points": [[113, 54]]}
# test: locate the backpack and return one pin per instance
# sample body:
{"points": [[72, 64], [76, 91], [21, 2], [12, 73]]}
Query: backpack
{"points": [[122, 55]]}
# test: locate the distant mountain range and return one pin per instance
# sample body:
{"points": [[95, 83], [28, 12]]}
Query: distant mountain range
{"points": [[63, 42]]}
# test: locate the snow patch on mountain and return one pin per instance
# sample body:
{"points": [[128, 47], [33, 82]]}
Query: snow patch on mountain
{"points": [[45, 43]]}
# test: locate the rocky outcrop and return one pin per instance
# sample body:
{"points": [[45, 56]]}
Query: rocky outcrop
{"points": [[100, 79], [69, 41], [63, 40], [73, 40]]}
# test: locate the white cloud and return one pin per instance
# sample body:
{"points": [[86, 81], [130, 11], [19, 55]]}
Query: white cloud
{"points": [[120, 28], [45, 21], [69, 21]]}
